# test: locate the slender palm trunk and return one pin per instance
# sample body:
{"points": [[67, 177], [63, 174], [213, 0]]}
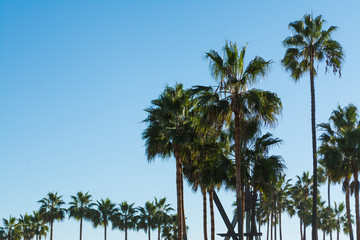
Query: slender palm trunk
{"points": [[81, 223], [51, 229], [280, 230], [238, 175], [313, 130], [271, 227], [159, 232], [204, 213], [347, 203], [179, 193], [212, 216], [105, 232], [329, 181], [301, 233], [267, 228], [275, 220], [356, 179], [323, 235], [149, 233], [126, 232], [183, 205], [338, 233], [253, 225]]}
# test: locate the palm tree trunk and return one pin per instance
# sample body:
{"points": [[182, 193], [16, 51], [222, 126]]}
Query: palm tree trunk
{"points": [[105, 232], [81, 223], [182, 204], [149, 233], [178, 191], [323, 235], [356, 179], [159, 231], [329, 181], [301, 233], [347, 203], [212, 217], [313, 130], [204, 213], [275, 221], [267, 228], [271, 227], [253, 225], [280, 230], [51, 229], [126, 233], [238, 174]]}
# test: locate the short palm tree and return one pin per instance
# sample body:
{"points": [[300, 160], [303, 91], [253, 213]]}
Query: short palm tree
{"points": [[234, 79], [311, 44], [168, 132], [104, 214], [51, 210], [125, 218], [80, 208], [11, 230], [147, 218], [162, 210], [40, 227], [26, 226]]}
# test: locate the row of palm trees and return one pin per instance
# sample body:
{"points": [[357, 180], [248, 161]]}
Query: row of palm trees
{"points": [[215, 132], [123, 216]]}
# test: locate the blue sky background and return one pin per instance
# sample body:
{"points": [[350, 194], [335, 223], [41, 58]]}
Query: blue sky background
{"points": [[75, 77]]}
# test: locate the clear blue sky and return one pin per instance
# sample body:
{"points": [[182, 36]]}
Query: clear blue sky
{"points": [[75, 77]]}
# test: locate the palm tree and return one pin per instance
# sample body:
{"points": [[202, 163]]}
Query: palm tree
{"points": [[340, 144], [340, 218], [311, 44], [26, 226], [51, 210], [167, 134], [104, 213], [147, 218], [125, 218], [80, 208], [11, 230], [161, 212], [234, 80], [40, 227]]}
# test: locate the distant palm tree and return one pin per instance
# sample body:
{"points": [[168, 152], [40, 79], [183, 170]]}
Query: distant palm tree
{"points": [[104, 213], [168, 132], [340, 218], [340, 144], [11, 230], [147, 218], [161, 212], [125, 218], [51, 210], [80, 208], [311, 44], [40, 227], [26, 226]]}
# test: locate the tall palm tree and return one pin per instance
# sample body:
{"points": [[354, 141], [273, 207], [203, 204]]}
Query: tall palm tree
{"points": [[11, 230], [80, 208], [104, 213], [234, 79], [51, 210], [161, 212], [311, 44], [234, 82], [125, 218], [147, 218], [168, 132]]}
